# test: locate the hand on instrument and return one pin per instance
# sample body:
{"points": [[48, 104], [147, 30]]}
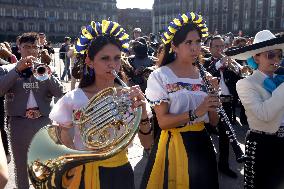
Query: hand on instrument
{"points": [[225, 61], [45, 57], [210, 103], [138, 98], [25, 63], [214, 82]]}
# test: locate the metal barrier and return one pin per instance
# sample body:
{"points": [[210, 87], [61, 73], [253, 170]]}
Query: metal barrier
{"points": [[57, 63]]}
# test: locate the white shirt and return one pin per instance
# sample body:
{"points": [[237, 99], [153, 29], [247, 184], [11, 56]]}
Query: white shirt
{"points": [[223, 86], [265, 111], [282, 122], [31, 101], [63, 110], [182, 94]]}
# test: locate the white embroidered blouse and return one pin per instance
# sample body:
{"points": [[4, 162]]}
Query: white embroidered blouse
{"points": [[182, 94], [62, 112]]}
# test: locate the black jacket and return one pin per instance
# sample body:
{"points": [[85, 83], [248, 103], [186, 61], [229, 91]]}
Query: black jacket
{"points": [[230, 77]]}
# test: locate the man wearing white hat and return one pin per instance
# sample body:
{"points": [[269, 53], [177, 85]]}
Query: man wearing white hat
{"points": [[262, 95]]}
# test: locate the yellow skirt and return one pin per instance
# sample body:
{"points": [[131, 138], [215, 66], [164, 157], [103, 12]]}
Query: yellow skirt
{"points": [[89, 172], [183, 158], [178, 174]]}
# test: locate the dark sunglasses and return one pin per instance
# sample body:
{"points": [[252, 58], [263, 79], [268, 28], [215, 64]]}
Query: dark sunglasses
{"points": [[272, 55]]}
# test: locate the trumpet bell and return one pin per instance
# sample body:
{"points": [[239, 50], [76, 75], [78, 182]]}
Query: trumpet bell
{"points": [[246, 71], [41, 72], [107, 125]]}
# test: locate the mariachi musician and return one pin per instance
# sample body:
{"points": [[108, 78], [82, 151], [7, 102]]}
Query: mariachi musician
{"points": [[28, 102], [262, 96], [216, 65]]}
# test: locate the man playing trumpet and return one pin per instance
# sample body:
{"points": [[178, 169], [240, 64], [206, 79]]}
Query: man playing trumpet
{"points": [[28, 102], [228, 73]]}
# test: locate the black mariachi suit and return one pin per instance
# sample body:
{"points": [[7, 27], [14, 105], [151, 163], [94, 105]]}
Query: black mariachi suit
{"points": [[230, 79]]}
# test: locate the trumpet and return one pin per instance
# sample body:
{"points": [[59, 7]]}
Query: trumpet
{"points": [[246, 71], [243, 71], [41, 71], [233, 65]]}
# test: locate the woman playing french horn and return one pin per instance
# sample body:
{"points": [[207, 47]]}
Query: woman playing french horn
{"points": [[99, 50]]}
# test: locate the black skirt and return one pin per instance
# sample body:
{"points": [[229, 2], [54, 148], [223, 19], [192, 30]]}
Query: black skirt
{"points": [[264, 168], [202, 166]]}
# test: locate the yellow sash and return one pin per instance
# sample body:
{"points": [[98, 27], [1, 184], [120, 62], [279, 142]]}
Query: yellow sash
{"points": [[178, 177], [91, 175]]}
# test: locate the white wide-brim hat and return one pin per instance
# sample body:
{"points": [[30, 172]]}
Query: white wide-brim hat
{"points": [[263, 41]]}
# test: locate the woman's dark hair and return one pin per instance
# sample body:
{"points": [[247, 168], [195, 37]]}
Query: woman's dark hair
{"points": [[81, 70], [179, 37]]}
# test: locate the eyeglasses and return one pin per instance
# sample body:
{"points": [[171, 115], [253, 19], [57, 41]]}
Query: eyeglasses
{"points": [[33, 47], [272, 55]]}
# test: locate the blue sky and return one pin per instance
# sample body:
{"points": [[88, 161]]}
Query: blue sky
{"points": [[142, 4]]}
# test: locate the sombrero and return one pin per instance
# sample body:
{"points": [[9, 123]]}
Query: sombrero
{"points": [[263, 41]]}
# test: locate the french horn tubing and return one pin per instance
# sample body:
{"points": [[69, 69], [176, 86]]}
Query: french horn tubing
{"points": [[107, 125]]}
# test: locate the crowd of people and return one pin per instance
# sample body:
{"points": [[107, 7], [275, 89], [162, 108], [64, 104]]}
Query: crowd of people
{"points": [[162, 74]]}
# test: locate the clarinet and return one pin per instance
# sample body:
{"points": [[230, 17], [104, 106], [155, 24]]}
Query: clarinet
{"points": [[240, 157]]}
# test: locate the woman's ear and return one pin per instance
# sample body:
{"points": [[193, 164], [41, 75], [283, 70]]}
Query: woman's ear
{"points": [[173, 47], [89, 62]]}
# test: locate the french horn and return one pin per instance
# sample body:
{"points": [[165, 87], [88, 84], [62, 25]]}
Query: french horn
{"points": [[107, 125]]}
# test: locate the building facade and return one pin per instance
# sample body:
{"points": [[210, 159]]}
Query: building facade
{"points": [[55, 18], [249, 16], [136, 18]]}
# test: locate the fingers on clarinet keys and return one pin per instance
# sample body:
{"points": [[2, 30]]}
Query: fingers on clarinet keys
{"points": [[214, 82], [213, 102]]}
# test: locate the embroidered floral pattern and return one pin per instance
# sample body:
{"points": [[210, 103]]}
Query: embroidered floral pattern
{"points": [[77, 115], [33, 114], [174, 87]]}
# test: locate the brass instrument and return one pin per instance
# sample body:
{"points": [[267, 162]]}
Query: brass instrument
{"points": [[107, 125], [246, 71], [243, 71], [41, 71]]}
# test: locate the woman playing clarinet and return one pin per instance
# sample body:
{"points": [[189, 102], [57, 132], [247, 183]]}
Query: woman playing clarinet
{"points": [[183, 156]]}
